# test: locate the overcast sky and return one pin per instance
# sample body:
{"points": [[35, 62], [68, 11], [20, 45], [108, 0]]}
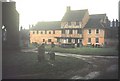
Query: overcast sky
{"points": [[32, 11]]}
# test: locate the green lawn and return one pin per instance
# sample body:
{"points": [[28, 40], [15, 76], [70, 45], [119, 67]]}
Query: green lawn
{"points": [[85, 50], [26, 63]]}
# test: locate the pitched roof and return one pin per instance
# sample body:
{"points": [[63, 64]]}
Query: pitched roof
{"points": [[94, 21], [47, 25], [98, 16], [74, 15]]}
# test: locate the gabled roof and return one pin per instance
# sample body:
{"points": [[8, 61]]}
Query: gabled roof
{"points": [[74, 15], [98, 16], [95, 21], [47, 25]]}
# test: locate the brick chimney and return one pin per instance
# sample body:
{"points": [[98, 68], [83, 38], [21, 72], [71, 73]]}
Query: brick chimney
{"points": [[113, 23], [68, 8]]}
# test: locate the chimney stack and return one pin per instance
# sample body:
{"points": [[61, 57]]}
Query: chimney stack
{"points": [[113, 23], [68, 8]]}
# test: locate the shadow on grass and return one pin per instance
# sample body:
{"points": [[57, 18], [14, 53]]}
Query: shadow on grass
{"points": [[25, 65]]}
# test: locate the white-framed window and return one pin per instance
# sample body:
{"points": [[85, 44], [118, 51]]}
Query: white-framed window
{"points": [[97, 40], [97, 31], [89, 31], [89, 40], [69, 23], [77, 23]]}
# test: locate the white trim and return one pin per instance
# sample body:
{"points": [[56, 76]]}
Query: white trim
{"points": [[98, 31], [88, 31]]}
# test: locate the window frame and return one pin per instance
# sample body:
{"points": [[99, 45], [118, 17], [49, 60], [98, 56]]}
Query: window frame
{"points": [[97, 40], [89, 40], [97, 31], [89, 31], [49, 40], [69, 23]]}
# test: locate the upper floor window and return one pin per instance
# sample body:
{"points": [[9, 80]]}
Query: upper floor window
{"points": [[79, 31], [53, 31], [33, 32], [70, 32], [45, 31], [97, 31], [63, 31], [69, 23], [37, 32], [49, 32], [77, 23], [41, 32], [89, 31]]}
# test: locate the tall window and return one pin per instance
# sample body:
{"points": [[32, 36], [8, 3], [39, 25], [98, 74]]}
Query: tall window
{"points": [[79, 31], [37, 32], [69, 23], [97, 31], [58, 39], [89, 40], [77, 22], [69, 40], [89, 31], [33, 32], [70, 32], [45, 31], [63, 31], [41, 32], [97, 40], [49, 40], [43, 40], [49, 32], [53, 31]]}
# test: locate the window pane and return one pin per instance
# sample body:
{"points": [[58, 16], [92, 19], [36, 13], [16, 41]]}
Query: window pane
{"points": [[89, 31], [33, 32], [97, 40], [45, 32], [49, 40], [37, 32], [70, 31], [97, 30], [77, 22], [69, 23], [53, 31], [43, 40], [89, 40]]}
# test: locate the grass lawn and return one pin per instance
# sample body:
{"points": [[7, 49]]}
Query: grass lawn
{"points": [[26, 63], [85, 50]]}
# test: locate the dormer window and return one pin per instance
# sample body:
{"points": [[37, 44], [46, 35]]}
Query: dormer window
{"points": [[69, 23], [77, 23]]}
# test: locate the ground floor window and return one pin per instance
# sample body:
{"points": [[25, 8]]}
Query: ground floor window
{"points": [[97, 40], [43, 40], [49, 40], [69, 40], [89, 40], [58, 39]]}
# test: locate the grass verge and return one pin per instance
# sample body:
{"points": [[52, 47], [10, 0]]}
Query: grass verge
{"points": [[26, 64], [85, 50]]}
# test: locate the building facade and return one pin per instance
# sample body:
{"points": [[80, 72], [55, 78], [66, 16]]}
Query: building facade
{"points": [[10, 26], [76, 27]]}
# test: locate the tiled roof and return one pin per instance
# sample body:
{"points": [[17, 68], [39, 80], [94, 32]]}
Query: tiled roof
{"points": [[74, 15], [95, 21], [98, 16], [47, 25]]}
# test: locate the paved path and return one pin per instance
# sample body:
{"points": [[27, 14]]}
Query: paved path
{"points": [[97, 65]]}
